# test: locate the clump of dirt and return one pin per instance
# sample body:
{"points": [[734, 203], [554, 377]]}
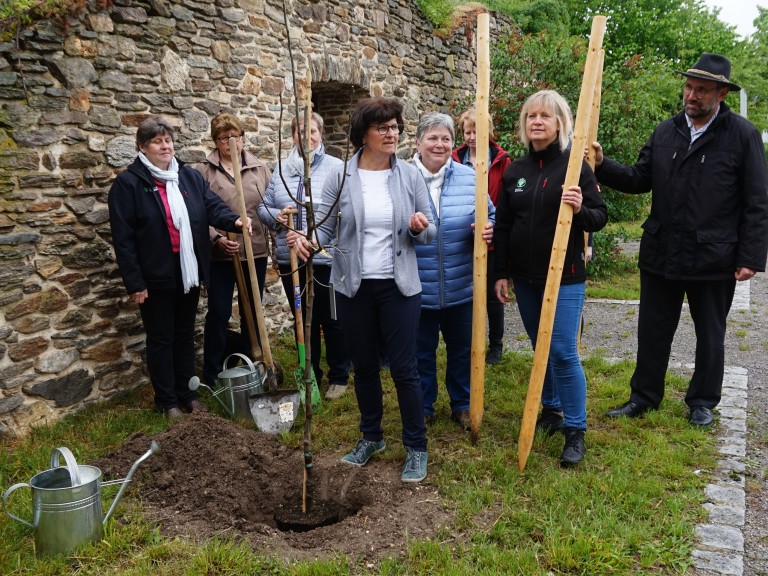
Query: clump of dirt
{"points": [[213, 477]]}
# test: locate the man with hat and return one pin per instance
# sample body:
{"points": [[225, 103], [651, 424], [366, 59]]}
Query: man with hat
{"points": [[707, 229]]}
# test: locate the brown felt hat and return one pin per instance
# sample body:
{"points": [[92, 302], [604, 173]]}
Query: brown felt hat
{"points": [[712, 67]]}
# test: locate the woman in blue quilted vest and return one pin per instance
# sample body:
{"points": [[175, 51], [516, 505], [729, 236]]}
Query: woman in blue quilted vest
{"points": [[445, 266]]}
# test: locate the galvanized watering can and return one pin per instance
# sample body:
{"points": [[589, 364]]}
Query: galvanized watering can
{"points": [[66, 503], [236, 386], [246, 397]]}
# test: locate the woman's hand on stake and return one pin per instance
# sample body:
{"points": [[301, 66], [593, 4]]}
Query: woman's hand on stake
{"points": [[487, 232]]}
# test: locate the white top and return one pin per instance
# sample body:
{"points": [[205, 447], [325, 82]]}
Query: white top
{"points": [[378, 261]]}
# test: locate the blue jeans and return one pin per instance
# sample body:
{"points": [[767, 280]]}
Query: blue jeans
{"points": [[565, 386], [221, 288], [380, 312], [456, 325]]}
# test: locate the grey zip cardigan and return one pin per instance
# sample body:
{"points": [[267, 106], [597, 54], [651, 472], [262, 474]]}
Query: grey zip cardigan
{"points": [[409, 195]]}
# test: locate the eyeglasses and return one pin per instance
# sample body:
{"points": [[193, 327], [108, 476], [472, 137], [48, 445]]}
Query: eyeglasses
{"points": [[384, 129], [224, 139], [698, 92]]}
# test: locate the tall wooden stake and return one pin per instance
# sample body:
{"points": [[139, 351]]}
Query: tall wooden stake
{"points": [[255, 297], [477, 374], [594, 121], [308, 486], [560, 244]]}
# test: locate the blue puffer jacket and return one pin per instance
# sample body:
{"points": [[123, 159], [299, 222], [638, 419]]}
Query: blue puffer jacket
{"points": [[277, 197], [445, 264]]}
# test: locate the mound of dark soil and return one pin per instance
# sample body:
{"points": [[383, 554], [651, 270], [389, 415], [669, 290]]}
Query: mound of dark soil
{"points": [[215, 477]]}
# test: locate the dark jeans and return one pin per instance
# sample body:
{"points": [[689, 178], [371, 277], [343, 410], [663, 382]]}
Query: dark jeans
{"points": [[456, 325], [336, 353], [661, 302], [494, 308], [169, 322], [380, 310], [221, 288]]}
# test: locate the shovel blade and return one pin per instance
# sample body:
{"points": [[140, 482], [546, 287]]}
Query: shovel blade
{"points": [[275, 412]]}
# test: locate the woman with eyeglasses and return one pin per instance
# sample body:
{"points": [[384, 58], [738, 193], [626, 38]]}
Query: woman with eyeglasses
{"points": [[379, 210], [218, 172], [159, 211], [286, 193]]}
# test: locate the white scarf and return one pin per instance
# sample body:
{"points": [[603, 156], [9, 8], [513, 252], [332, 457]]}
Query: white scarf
{"points": [[434, 181], [179, 217]]}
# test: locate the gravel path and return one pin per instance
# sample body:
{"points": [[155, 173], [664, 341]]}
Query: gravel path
{"points": [[610, 330]]}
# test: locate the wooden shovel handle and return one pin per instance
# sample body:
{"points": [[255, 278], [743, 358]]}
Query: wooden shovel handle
{"points": [[255, 297]]}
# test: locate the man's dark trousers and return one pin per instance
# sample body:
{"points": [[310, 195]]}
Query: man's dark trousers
{"points": [[661, 302]]}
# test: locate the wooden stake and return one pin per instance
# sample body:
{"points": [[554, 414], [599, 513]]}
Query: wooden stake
{"points": [[242, 289], [255, 296], [594, 121], [560, 244], [477, 374]]}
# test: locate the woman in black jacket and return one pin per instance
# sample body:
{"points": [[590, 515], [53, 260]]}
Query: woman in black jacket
{"points": [[159, 211], [526, 219]]}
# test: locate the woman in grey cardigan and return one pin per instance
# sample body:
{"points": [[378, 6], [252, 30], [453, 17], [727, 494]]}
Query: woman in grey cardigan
{"points": [[383, 210], [273, 211]]}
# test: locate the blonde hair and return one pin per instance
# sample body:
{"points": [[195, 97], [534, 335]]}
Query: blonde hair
{"points": [[469, 116], [315, 117], [554, 103]]}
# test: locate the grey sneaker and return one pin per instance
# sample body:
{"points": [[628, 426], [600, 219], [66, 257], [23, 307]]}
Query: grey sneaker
{"points": [[415, 469], [363, 451]]}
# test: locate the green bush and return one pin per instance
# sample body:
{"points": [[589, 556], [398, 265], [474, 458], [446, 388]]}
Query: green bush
{"points": [[608, 259]]}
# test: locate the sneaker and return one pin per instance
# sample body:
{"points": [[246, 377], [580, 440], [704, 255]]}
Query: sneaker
{"points": [[363, 451], [493, 356], [574, 449], [415, 469], [461, 417], [549, 421], [335, 391]]}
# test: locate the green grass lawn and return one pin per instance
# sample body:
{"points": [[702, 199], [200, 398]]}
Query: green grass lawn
{"points": [[629, 508]]}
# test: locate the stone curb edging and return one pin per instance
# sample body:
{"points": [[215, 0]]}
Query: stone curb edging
{"points": [[719, 548]]}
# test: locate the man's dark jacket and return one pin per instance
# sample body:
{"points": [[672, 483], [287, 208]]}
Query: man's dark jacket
{"points": [[709, 208], [140, 231]]}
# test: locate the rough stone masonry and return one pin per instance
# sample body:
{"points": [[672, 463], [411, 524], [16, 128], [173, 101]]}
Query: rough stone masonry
{"points": [[70, 101]]}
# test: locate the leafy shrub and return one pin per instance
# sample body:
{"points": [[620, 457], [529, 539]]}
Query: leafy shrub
{"points": [[608, 259]]}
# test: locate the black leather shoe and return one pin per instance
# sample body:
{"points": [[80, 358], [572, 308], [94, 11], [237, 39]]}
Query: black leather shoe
{"points": [[701, 416], [549, 421], [629, 409], [574, 449]]}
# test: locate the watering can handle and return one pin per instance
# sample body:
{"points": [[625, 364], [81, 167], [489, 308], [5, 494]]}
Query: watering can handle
{"points": [[69, 458], [244, 357], [5, 499]]}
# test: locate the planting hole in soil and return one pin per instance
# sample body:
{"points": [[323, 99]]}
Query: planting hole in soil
{"points": [[216, 478], [290, 515]]}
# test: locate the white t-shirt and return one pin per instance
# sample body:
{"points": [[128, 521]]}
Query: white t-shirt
{"points": [[378, 260]]}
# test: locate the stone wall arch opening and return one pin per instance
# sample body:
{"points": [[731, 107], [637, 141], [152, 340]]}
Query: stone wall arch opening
{"points": [[334, 101]]}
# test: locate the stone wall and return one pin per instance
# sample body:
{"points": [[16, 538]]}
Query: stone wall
{"points": [[70, 101]]}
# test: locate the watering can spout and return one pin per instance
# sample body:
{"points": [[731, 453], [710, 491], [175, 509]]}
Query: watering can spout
{"points": [[154, 448], [194, 384]]}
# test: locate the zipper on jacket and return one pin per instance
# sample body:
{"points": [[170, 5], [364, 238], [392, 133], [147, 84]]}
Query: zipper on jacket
{"points": [[532, 222]]}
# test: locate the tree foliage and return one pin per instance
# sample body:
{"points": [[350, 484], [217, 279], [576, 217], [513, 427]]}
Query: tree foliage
{"points": [[645, 42]]}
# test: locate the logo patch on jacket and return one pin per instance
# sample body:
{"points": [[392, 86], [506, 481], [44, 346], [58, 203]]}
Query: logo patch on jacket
{"points": [[520, 184]]}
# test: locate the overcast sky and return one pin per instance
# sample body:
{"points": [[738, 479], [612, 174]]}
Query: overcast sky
{"points": [[739, 13]]}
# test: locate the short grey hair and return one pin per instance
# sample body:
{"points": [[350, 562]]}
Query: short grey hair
{"points": [[151, 127], [554, 103], [432, 120]]}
